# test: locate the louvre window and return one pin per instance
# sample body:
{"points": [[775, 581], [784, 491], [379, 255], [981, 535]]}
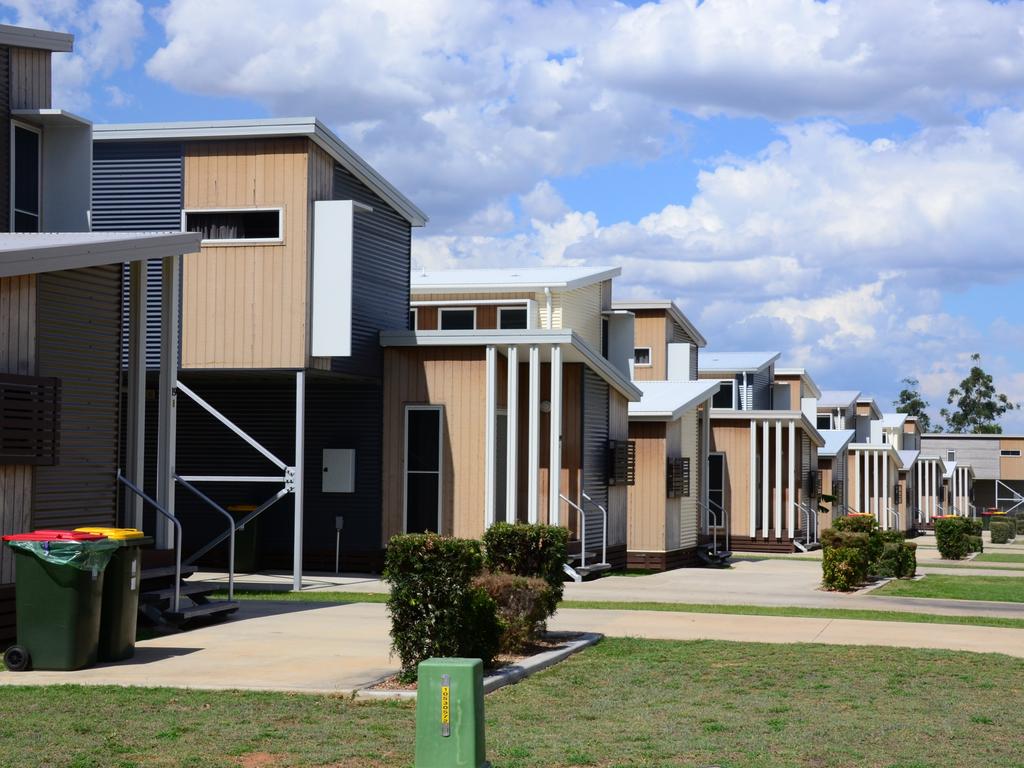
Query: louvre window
{"points": [[246, 226], [30, 415], [622, 462], [678, 480]]}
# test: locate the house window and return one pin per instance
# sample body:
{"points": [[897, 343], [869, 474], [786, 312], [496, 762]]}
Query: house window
{"points": [[642, 357], [716, 490], [232, 227], [412, 319], [950, 455], [457, 319], [1014, 452], [824, 421], [25, 186], [511, 318], [423, 453], [725, 398]]}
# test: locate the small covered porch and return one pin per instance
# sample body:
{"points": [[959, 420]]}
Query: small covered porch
{"points": [[929, 474], [875, 468]]}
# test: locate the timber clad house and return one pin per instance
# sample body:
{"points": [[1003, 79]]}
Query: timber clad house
{"points": [[305, 258], [60, 313]]}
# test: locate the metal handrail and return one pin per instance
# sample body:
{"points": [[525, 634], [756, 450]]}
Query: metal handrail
{"points": [[714, 528], [583, 528], [231, 530], [894, 516], [810, 519], [240, 525], [604, 527], [176, 604]]}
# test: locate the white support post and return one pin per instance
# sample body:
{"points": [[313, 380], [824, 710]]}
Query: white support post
{"points": [[533, 446], [135, 463], [778, 479], [920, 492], [934, 488], [884, 513], [490, 432], [764, 478], [856, 477], [753, 479], [792, 479], [874, 485], [511, 475], [300, 460], [555, 435], [167, 416]]}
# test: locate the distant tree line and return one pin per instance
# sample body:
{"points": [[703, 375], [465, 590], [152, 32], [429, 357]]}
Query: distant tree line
{"points": [[973, 407]]}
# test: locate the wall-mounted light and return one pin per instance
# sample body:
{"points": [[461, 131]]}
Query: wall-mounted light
{"points": [[545, 406]]}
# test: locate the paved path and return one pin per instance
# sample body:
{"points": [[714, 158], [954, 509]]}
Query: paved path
{"points": [[772, 629]]}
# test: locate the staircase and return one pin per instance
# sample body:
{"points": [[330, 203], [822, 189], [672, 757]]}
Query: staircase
{"points": [[713, 545], [592, 557], [805, 538]]}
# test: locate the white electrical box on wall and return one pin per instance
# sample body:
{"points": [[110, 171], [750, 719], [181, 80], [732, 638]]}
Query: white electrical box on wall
{"points": [[339, 470]]}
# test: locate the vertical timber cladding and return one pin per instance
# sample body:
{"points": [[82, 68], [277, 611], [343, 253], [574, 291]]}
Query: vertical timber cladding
{"points": [[78, 341], [137, 187]]}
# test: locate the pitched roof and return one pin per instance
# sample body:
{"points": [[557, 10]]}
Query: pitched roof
{"points": [[804, 376], [735, 362], [835, 440], [668, 400], [894, 420], [498, 279], [278, 127], [28, 254], [908, 458], [838, 398], [670, 307]]}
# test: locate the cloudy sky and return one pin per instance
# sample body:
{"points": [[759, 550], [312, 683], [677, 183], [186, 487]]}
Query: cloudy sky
{"points": [[840, 181]]}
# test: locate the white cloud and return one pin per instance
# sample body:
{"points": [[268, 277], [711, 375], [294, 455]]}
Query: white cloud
{"points": [[106, 34]]}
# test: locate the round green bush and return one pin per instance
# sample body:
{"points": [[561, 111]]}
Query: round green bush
{"points": [[1000, 532], [537, 551], [951, 536], [843, 568]]}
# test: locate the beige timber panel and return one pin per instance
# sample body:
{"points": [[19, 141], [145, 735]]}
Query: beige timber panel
{"points": [[456, 379], [733, 440], [647, 519], [245, 306], [30, 79], [688, 511], [651, 329], [18, 356], [1011, 467]]}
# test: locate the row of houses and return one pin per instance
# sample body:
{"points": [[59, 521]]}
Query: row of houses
{"points": [[224, 320]]}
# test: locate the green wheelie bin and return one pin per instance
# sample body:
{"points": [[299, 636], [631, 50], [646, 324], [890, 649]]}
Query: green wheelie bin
{"points": [[58, 589], [119, 612]]}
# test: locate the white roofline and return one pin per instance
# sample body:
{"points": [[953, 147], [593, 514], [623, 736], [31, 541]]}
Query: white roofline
{"points": [[310, 127], [840, 404], [804, 376], [599, 275], [880, 447], [52, 117], [701, 397], [703, 368], [51, 256], [969, 436], [674, 311], [850, 434], [808, 427], [599, 364], [43, 39]]}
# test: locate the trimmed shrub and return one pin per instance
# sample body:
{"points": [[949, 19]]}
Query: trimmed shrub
{"points": [[1000, 531], [522, 607], [843, 568], [898, 560], [434, 606], [975, 544], [908, 560], [975, 526], [1012, 522], [858, 523], [951, 536], [537, 551]]}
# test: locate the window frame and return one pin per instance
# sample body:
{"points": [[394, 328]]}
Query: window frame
{"points": [[414, 319], [405, 463], [1009, 453], [279, 240], [735, 390], [820, 416], [440, 317], [526, 318], [950, 451], [650, 358], [15, 124]]}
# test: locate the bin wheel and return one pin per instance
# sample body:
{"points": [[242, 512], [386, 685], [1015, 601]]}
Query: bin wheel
{"points": [[17, 659]]}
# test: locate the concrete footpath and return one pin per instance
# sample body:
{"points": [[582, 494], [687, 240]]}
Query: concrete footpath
{"points": [[337, 649]]}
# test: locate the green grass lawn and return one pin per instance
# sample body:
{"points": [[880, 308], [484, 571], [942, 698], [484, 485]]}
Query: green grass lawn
{"points": [[1002, 588], [621, 703], [737, 610], [999, 557]]}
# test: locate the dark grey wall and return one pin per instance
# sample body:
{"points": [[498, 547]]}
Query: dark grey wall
{"points": [[5, 145]]}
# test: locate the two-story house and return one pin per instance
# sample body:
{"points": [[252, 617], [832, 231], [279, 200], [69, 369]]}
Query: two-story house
{"points": [[764, 452], [508, 400], [996, 464], [305, 259]]}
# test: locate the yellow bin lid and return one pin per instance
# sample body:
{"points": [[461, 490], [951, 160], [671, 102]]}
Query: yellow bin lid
{"points": [[118, 534]]}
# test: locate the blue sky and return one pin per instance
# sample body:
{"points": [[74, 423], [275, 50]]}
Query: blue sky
{"points": [[839, 181]]}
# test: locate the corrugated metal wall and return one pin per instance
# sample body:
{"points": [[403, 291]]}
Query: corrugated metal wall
{"points": [[5, 146], [78, 324], [138, 186], [762, 386], [595, 452], [380, 274]]}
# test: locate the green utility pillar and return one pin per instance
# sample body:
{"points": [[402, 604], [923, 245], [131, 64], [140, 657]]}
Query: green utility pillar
{"points": [[450, 714]]}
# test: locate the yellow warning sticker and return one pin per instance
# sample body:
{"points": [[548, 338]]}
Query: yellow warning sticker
{"points": [[446, 710]]}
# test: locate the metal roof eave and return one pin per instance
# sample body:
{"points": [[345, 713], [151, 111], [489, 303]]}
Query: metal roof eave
{"points": [[54, 255], [674, 312], [805, 423], [532, 285], [41, 39], [309, 127], [698, 399], [701, 368]]}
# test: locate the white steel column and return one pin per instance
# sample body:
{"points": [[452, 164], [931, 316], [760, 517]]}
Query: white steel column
{"points": [[135, 461], [920, 493], [792, 477], [764, 478], [933, 495], [884, 514], [490, 432], [778, 479], [874, 484], [533, 446], [706, 427], [512, 428], [856, 477], [753, 478], [300, 463], [167, 407], [555, 435]]}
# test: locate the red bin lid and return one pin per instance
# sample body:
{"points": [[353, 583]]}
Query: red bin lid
{"points": [[54, 536]]}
